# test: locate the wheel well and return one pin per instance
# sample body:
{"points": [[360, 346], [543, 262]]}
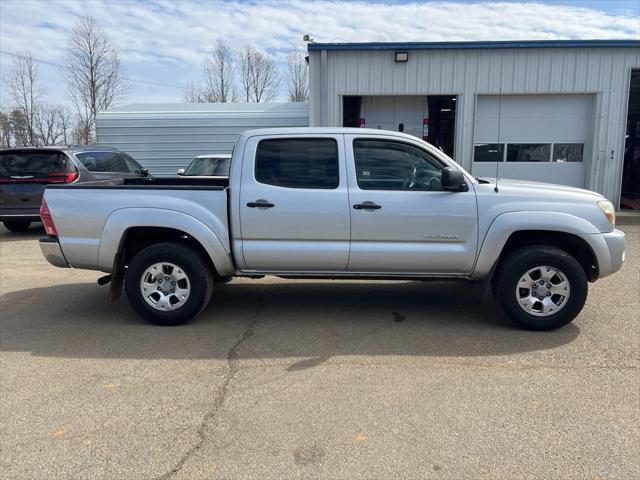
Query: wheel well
{"points": [[572, 244], [137, 239]]}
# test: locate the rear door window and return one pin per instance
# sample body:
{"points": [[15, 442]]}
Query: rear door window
{"points": [[104, 162], [298, 163], [33, 164]]}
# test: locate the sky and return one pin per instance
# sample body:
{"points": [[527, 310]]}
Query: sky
{"points": [[163, 43]]}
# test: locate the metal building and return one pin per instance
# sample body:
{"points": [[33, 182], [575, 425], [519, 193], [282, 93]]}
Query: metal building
{"points": [[165, 137], [552, 111]]}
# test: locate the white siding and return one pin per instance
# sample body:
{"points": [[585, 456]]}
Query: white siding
{"points": [[165, 137], [601, 71]]}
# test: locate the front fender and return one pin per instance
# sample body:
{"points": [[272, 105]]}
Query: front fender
{"points": [[121, 220], [508, 223]]}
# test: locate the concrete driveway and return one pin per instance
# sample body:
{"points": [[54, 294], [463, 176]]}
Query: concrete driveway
{"points": [[318, 379]]}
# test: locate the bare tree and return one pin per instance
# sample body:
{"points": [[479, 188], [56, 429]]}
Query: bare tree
{"points": [[19, 128], [81, 132], [21, 81], [96, 76], [66, 125], [193, 93], [218, 74], [218, 84], [52, 125], [258, 75], [6, 132], [297, 76]]}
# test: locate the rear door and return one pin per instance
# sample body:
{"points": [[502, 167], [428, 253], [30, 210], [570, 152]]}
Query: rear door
{"points": [[109, 165], [294, 204], [402, 221]]}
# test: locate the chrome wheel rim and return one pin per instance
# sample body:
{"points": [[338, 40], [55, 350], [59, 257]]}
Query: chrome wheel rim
{"points": [[165, 286], [543, 291]]}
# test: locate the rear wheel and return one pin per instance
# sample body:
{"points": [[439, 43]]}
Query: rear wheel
{"points": [[168, 283], [540, 287], [17, 226]]}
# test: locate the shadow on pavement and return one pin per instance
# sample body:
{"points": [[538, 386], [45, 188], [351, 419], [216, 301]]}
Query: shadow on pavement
{"points": [[36, 230], [280, 320]]}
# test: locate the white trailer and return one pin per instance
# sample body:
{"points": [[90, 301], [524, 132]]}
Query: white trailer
{"points": [[166, 137]]}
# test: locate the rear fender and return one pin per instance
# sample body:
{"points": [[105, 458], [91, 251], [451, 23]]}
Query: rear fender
{"points": [[121, 220]]}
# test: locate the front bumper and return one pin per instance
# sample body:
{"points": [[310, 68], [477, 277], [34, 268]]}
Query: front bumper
{"points": [[615, 242], [52, 252]]}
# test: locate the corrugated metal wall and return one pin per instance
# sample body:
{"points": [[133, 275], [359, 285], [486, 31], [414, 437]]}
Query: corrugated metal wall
{"points": [[604, 72], [165, 137]]}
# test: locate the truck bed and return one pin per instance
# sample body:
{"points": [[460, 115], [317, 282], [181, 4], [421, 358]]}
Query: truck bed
{"points": [[91, 224], [181, 182]]}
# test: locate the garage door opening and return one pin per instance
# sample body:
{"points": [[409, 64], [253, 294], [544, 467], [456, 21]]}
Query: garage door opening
{"points": [[431, 118], [630, 194]]}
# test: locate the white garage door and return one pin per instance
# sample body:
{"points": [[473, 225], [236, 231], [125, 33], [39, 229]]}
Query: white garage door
{"points": [[533, 137], [389, 112]]}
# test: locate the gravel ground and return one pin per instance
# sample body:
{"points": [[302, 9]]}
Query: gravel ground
{"points": [[315, 379]]}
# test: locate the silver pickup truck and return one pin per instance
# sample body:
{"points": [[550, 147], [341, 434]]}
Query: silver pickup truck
{"points": [[336, 203]]}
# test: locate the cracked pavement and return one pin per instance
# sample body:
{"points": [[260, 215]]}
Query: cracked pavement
{"points": [[312, 379]]}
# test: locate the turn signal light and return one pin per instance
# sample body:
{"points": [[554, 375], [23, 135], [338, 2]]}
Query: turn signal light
{"points": [[45, 215], [607, 208]]}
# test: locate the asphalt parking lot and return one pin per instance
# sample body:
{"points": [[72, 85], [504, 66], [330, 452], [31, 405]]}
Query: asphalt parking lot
{"points": [[318, 379]]}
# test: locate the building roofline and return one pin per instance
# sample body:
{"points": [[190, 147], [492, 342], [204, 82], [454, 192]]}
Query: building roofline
{"points": [[474, 45]]}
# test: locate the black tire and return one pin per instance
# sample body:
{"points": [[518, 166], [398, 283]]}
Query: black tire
{"points": [[521, 261], [198, 273], [17, 226]]}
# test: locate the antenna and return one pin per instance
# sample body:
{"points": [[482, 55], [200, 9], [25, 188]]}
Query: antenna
{"points": [[495, 189]]}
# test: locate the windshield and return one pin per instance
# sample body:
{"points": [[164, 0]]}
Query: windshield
{"points": [[209, 166], [25, 163]]}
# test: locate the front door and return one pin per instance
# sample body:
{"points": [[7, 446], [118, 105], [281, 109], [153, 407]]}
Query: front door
{"points": [[294, 204], [402, 221]]}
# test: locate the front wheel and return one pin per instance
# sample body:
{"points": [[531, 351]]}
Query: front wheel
{"points": [[540, 287], [168, 283]]}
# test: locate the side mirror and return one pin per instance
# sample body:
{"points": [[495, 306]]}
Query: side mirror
{"points": [[453, 181], [144, 172], [181, 171]]}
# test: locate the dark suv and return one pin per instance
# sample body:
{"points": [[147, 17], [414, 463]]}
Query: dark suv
{"points": [[24, 173]]}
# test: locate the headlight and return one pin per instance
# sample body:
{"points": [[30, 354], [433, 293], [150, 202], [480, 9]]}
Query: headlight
{"points": [[607, 208]]}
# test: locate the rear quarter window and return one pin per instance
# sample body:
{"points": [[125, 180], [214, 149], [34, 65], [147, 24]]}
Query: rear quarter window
{"points": [[104, 162]]}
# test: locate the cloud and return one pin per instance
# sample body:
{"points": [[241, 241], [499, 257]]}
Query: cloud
{"points": [[165, 41]]}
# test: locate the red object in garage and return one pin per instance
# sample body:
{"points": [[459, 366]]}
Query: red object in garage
{"points": [[425, 128]]}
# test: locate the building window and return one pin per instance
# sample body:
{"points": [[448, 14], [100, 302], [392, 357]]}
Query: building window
{"points": [[567, 152], [298, 163], [528, 152], [488, 152]]}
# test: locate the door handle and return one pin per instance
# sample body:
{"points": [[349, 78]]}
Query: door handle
{"points": [[367, 206], [260, 204]]}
